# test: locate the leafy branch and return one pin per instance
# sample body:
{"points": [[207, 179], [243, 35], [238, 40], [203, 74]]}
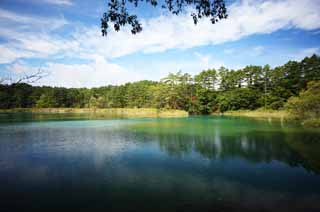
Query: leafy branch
{"points": [[117, 13]]}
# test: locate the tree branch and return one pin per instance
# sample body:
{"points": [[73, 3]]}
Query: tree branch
{"points": [[118, 15], [26, 78]]}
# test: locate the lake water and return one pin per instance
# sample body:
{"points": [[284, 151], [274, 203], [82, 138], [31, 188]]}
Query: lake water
{"points": [[179, 164]]}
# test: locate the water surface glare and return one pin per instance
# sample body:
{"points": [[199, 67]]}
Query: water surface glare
{"points": [[179, 164]]}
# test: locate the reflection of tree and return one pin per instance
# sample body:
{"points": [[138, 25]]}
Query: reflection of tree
{"points": [[257, 146], [206, 147], [174, 144], [253, 146], [307, 145]]}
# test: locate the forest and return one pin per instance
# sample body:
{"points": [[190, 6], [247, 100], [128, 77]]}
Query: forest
{"points": [[209, 91]]}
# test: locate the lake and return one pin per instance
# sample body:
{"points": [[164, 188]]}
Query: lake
{"points": [[178, 164]]}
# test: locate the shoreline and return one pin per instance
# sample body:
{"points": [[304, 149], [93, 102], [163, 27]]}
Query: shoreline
{"points": [[274, 114], [104, 112], [280, 114]]}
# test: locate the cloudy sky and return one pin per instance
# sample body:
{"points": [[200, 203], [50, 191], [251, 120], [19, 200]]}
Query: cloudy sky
{"points": [[63, 38]]}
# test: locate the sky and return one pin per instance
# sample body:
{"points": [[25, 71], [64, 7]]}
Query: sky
{"points": [[63, 38]]}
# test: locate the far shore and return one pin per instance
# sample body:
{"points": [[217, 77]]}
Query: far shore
{"points": [[281, 114], [121, 112], [146, 112]]}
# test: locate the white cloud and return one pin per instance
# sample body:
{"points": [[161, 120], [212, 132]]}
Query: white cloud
{"points": [[100, 72], [8, 54], [25, 22], [21, 68], [257, 50], [39, 45], [246, 18], [59, 2], [204, 60], [159, 69], [169, 31], [36, 37], [30, 36], [305, 53], [229, 51], [44, 45]]}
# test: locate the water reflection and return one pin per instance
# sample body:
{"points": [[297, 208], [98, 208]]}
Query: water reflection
{"points": [[190, 164], [294, 147]]}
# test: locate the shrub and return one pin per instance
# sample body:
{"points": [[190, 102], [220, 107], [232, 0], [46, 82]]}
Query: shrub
{"points": [[312, 123], [307, 104]]}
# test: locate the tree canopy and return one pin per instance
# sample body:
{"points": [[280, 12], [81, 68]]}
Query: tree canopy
{"points": [[307, 104], [117, 13], [209, 91]]}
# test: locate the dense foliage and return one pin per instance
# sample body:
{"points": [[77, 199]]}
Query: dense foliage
{"points": [[306, 106], [211, 90], [118, 14]]}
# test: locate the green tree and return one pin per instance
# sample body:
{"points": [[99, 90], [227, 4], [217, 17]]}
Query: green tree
{"points": [[253, 77], [139, 94], [230, 79], [247, 88], [207, 79], [204, 101], [171, 89], [45, 101], [240, 98], [307, 104], [97, 102]]}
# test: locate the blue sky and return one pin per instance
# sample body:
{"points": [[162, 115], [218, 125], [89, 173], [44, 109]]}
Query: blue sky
{"points": [[63, 38]]}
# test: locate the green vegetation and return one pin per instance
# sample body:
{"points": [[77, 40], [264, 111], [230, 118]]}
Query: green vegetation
{"points": [[260, 113], [109, 112], [210, 91], [312, 122], [306, 106]]}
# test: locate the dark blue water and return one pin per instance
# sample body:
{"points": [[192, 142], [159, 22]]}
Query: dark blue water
{"points": [[182, 164]]}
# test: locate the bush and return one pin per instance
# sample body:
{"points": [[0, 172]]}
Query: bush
{"points": [[307, 104], [311, 123], [276, 105], [242, 98]]}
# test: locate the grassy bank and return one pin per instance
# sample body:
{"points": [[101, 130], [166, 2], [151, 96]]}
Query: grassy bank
{"points": [[315, 123], [259, 113], [109, 112], [278, 114]]}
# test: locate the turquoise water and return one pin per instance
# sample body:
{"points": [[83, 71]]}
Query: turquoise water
{"points": [[180, 164]]}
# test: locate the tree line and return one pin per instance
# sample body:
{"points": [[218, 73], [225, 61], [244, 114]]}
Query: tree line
{"points": [[209, 91]]}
